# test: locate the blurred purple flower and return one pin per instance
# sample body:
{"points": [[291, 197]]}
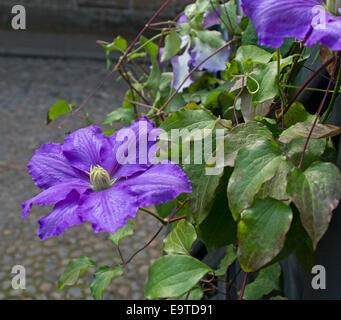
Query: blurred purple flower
{"points": [[315, 20], [181, 70], [202, 50], [102, 180], [182, 19], [211, 18]]}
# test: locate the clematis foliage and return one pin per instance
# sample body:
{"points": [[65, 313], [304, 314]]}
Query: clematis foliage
{"points": [[216, 145]]}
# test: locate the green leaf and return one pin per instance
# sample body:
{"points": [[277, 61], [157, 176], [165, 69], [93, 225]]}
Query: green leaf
{"points": [[229, 17], [119, 44], [305, 254], [316, 193], [122, 233], [189, 119], [103, 277], [229, 258], [153, 81], [297, 113], [255, 164], [172, 46], [250, 111], [59, 108], [172, 276], [213, 38], [276, 187], [295, 236], [166, 208], [253, 53], [219, 220], [151, 48], [125, 115], [73, 270], [266, 79], [180, 239], [261, 233], [241, 136], [302, 129], [267, 280], [314, 151], [195, 294], [204, 188]]}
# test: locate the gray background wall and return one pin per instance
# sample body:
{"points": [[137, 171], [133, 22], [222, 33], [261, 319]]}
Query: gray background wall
{"points": [[94, 15]]}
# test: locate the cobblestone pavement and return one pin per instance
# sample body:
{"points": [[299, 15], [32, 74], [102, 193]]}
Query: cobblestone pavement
{"points": [[27, 88]]}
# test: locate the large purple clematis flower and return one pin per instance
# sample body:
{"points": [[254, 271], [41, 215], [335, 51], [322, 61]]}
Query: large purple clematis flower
{"points": [[314, 20], [102, 180]]}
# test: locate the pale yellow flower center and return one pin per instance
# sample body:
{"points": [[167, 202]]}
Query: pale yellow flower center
{"points": [[100, 179], [333, 6]]}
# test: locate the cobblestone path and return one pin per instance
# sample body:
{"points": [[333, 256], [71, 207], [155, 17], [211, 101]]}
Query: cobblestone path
{"points": [[28, 87]]}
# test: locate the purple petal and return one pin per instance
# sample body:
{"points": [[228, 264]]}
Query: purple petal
{"points": [[276, 20], [87, 147], [161, 64], [134, 148], [107, 210], [327, 32], [159, 184], [49, 166], [55, 194], [216, 63], [182, 19], [61, 218], [181, 70], [211, 18]]}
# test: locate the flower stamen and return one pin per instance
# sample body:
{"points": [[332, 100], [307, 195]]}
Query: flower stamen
{"points": [[100, 179], [333, 6]]}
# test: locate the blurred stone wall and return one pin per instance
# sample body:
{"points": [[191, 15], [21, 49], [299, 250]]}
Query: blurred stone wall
{"points": [[95, 15]]}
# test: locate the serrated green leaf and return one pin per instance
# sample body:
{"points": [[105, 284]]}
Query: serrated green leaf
{"points": [[59, 108], [266, 281], [316, 193], [255, 164], [180, 239], [261, 233], [124, 115], [228, 259], [241, 136], [122, 233], [103, 277], [172, 276], [302, 129], [73, 270]]}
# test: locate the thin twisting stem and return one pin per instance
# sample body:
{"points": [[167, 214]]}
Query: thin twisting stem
{"points": [[336, 92], [319, 110], [243, 287], [304, 86]]}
